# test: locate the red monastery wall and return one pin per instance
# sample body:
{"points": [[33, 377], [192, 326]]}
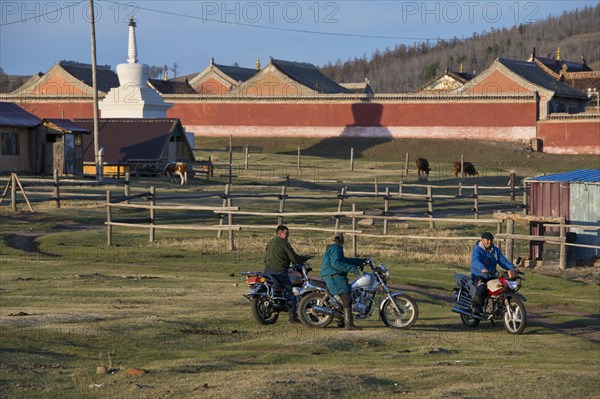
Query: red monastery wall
{"points": [[570, 136], [67, 109], [474, 120]]}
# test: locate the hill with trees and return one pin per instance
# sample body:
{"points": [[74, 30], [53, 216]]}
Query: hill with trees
{"points": [[407, 68]]}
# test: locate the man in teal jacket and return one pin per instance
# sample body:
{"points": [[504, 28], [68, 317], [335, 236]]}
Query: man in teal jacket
{"points": [[334, 271]]}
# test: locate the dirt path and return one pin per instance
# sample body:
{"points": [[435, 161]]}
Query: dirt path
{"points": [[584, 325]]}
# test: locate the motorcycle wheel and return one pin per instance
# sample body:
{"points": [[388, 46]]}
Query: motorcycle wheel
{"points": [[469, 321], [263, 314], [409, 312], [308, 316], [516, 323]]}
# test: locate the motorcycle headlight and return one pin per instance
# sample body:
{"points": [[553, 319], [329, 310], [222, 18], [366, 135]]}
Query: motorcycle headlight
{"points": [[513, 285], [384, 272]]}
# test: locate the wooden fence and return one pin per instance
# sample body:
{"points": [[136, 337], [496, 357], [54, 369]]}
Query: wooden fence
{"points": [[227, 211]]}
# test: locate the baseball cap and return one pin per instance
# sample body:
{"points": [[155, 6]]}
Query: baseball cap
{"points": [[339, 236]]}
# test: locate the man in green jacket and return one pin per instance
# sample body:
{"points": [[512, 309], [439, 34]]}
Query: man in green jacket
{"points": [[278, 256], [334, 271]]}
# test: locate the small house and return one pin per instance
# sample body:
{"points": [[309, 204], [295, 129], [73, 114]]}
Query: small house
{"points": [[17, 135], [62, 148], [132, 143]]}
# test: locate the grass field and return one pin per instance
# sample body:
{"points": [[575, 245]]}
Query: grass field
{"points": [[174, 309]]}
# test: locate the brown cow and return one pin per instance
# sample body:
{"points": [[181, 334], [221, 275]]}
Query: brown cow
{"points": [[423, 166], [469, 169], [176, 168]]}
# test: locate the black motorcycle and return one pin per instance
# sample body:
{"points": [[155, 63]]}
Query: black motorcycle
{"points": [[267, 297]]}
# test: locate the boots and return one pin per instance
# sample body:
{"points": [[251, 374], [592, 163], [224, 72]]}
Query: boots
{"points": [[349, 319]]}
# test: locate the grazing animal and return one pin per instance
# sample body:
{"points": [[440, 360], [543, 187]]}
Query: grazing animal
{"points": [[423, 166], [173, 169], [469, 169]]}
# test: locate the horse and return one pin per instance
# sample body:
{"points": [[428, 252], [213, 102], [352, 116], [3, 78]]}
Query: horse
{"points": [[176, 168]]}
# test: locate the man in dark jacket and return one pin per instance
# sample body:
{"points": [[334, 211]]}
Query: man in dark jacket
{"points": [[278, 256], [334, 270], [484, 259]]}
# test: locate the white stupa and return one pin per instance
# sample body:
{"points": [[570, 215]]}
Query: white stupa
{"points": [[133, 98]]}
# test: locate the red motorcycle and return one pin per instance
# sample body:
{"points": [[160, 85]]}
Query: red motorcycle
{"points": [[502, 302]]}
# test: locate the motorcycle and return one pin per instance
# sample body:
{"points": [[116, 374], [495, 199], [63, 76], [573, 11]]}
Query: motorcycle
{"points": [[267, 297], [397, 310], [502, 302]]}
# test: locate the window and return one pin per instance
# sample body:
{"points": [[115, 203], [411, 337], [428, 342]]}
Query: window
{"points": [[10, 143]]}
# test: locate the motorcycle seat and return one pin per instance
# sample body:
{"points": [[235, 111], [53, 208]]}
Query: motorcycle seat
{"points": [[318, 283]]}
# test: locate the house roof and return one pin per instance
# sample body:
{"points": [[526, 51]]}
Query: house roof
{"points": [[126, 140], [13, 115], [67, 125], [106, 78], [437, 84], [556, 66], [309, 76], [533, 74], [574, 176], [583, 80], [237, 73], [171, 86]]}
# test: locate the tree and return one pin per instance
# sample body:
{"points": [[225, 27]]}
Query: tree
{"points": [[174, 69]]}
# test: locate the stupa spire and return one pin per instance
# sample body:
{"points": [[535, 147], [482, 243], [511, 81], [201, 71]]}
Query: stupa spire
{"points": [[132, 48]]}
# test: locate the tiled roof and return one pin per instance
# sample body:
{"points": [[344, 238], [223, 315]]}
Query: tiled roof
{"points": [[532, 73], [574, 176], [171, 86], [67, 125], [462, 77], [583, 80], [13, 115], [128, 139], [309, 76], [237, 73], [106, 78], [556, 65]]}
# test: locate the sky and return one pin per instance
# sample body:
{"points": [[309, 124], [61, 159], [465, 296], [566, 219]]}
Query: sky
{"points": [[34, 35]]}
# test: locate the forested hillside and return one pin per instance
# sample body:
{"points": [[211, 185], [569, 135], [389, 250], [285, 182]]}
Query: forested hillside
{"points": [[407, 68]]}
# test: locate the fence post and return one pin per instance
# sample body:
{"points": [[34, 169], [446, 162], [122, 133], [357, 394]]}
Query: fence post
{"points": [[152, 213], [298, 157], [354, 238], [376, 186], [56, 190], [222, 215], [524, 188], [406, 166], [460, 188], [352, 159], [562, 263], [400, 188], [386, 210], [499, 231], [340, 205], [513, 177], [462, 165], [230, 222], [430, 207], [281, 205], [246, 159], [13, 191], [108, 220], [127, 188], [230, 157], [510, 230], [476, 201]]}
